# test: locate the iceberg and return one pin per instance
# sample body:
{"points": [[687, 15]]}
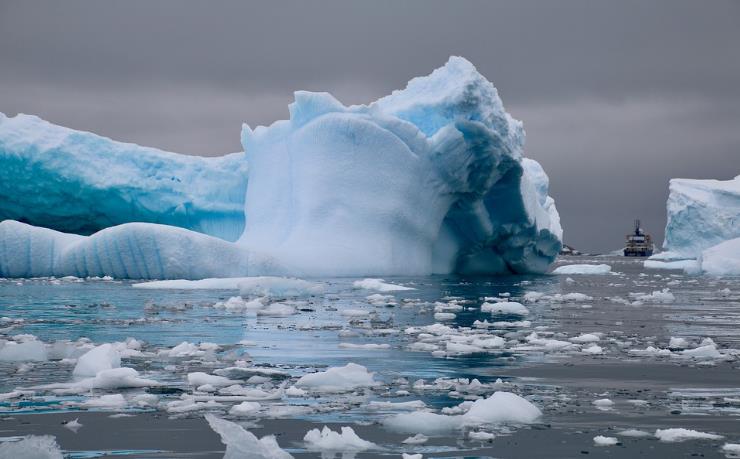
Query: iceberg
{"points": [[79, 182], [703, 225], [701, 214], [430, 179]]}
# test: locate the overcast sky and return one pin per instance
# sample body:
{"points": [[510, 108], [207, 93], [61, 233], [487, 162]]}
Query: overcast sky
{"points": [[616, 97]]}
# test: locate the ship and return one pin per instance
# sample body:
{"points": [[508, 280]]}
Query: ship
{"points": [[639, 243]]}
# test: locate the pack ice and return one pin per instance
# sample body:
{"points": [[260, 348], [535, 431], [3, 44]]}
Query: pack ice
{"points": [[430, 179], [703, 224]]}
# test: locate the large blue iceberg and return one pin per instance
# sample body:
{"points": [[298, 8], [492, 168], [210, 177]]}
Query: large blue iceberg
{"points": [[79, 182], [430, 179]]}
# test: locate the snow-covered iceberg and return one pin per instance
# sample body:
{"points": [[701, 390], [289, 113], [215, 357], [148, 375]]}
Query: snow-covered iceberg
{"points": [[79, 182], [430, 179], [703, 224]]}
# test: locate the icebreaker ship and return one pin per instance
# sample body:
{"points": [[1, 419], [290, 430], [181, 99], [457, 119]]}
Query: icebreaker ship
{"points": [[79, 182], [430, 179]]}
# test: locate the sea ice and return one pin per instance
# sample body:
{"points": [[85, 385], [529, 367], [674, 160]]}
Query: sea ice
{"points": [[31, 447], [241, 443], [330, 441], [338, 379], [601, 440], [103, 357], [583, 269], [675, 435]]}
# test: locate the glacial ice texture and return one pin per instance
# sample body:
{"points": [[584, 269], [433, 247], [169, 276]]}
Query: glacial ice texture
{"points": [[430, 179], [78, 182], [701, 214]]}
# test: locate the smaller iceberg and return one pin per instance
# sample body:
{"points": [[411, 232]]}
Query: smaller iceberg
{"points": [[703, 225]]}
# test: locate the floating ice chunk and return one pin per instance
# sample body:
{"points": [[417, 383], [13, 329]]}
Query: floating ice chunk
{"points": [[366, 346], [593, 350], [338, 379], [245, 409], [277, 310], [583, 269], [379, 285], [103, 357], [199, 378], [657, 296], [115, 378], [330, 441], [601, 440], [418, 439], [731, 448], [502, 407], [410, 405], [31, 447], [241, 443], [74, 425], [442, 316], [708, 351], [279, 287], [505, 308], [634, 433], [411, 456], [30, 350], [678, 343], [108, 401], [354, 313], [676, 435], [480, 435], [585, 338], [685, 265], [603, 404], [499, 408], [237, 303]]}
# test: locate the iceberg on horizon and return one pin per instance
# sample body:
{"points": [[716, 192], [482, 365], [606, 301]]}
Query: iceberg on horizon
{"points": [[430, 179]]}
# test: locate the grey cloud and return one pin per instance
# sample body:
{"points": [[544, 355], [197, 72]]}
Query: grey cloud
{"points": [[616, 97]]}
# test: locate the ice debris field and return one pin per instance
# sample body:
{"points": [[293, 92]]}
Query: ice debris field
{"points": [[430, 179], [620, 360]]}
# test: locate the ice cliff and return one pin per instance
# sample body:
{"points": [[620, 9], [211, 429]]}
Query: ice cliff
{"points": [[79, 182], [703, 222], [430, 179]]}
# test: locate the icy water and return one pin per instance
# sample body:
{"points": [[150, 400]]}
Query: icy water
{"points": [[586, 338]]}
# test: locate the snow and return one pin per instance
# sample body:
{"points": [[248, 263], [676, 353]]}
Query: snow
{"points": [[430, 179], [701, 214], [338, 379], [583, 269], [97, 359], [79, 182], [504, 308], [601, 440], [380, 285], [241, 443], [31, 447], [330, 441], [676, 435]]}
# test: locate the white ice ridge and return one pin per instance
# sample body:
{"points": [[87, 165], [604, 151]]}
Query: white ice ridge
{"points": [[430, 179], [80, 182]]}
